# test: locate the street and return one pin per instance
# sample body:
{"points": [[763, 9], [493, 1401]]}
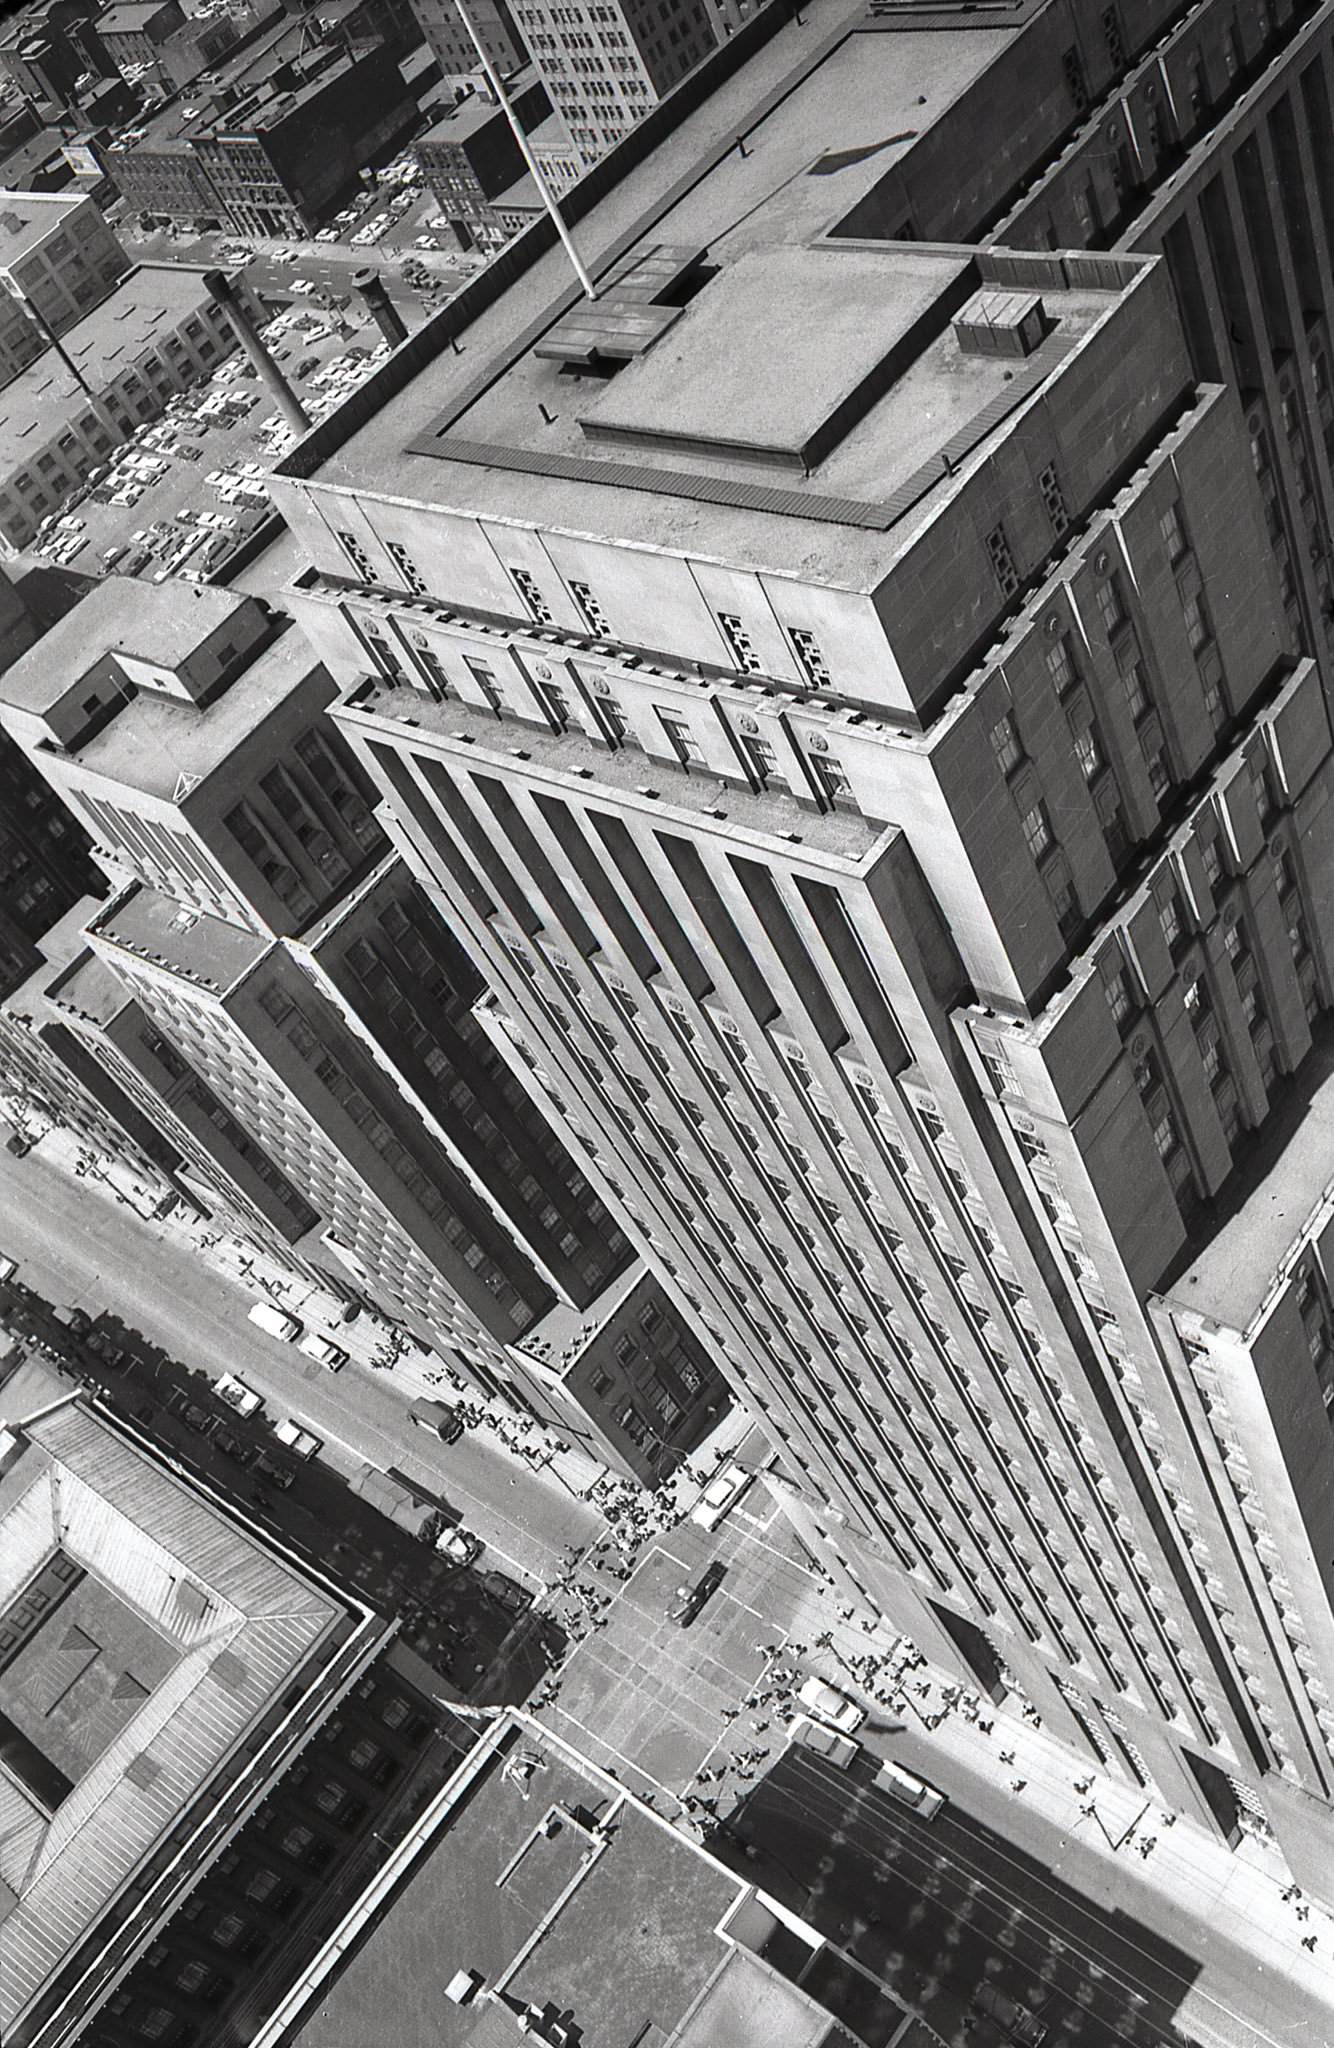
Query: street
{"points": [[77, 1247]]}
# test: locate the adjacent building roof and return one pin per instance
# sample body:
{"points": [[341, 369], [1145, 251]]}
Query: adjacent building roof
{"points": [[564, 1894], [26, 218], [157, 929], [170, 1627]]}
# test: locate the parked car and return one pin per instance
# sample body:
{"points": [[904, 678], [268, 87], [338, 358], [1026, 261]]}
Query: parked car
{"points": [[827, 1742], [720, 1496], [274, 1471], [830, 1705], [18, 1145], [506, 1592], [689, 1599], [438, 1416], [235, 1447], [274, 1321], [459, 1545], [910, 1790], [198, 1419], [331, 1356], [238, 1395], [307, 366], [302, 1443]]}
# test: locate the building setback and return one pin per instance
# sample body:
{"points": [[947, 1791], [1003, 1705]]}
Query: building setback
{"points": [[867, 712], [271, 986]]}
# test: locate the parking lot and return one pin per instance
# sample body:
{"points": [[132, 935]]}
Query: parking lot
{"points": [[187, 489]]}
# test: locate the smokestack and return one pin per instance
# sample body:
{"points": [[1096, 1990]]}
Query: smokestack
{"points": [[380, 306], [222, 291]]}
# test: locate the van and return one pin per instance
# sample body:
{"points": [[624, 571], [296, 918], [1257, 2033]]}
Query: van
{"points": [[275, 1322], [437, 1416], [808, 1734], [911, 1791]]}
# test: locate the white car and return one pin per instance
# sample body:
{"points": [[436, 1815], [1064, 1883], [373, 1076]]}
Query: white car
{"points": [[125, 497], [831, 1706], [720, 1496], [910, 1790], [8, 1268], [325, 1353], [824, 1741], [327, 235], [302, 1443], [238, 1395], [459, 1545], [302, 287]]}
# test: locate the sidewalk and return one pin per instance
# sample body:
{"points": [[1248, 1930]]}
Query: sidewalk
{"points": [[1115, 1842]]}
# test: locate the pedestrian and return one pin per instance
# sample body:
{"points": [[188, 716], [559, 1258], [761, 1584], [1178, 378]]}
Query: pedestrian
{"points": [[1018, 1784]]}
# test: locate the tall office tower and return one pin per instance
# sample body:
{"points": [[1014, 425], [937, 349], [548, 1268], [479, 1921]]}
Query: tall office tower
{"points": [[271, 986], [841, 691], [606, 66]]}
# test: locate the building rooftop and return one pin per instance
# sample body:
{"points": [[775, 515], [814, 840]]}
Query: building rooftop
{"points": [[511, 428], [27, 217], [88, 987], [165, 622], [1288, 1171], [148, 302], [167, 1630], [156, 928], [128, 16], [562, 1893]]}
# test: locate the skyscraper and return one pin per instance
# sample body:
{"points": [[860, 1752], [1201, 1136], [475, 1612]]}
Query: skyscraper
{"points": [[849, 690], [271, 986]]}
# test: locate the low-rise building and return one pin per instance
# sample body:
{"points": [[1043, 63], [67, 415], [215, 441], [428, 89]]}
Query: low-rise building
{"points": [[202, 1731], [471, 156], [133, 32], [157, 333], [58, 258]]}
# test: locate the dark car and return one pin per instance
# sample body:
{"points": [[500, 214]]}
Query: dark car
{"points": [[689, 1599], [439, 1417], [1021, 2026], [197, 1418], [277, 1474], [18, 1145], [233, 1446]]}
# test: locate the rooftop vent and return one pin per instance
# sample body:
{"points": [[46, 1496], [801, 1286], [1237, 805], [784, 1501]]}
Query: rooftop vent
{"points": [[997, 323]]}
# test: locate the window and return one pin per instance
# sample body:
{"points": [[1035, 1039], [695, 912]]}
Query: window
{"points": [[681, 739], [1060, 665], [1112, 603], [485, 679], [296, 1841], [1135, 686], [1120, 1001], [1196, 621], [526, 585], [412, 576], [1037, 830], [1173, 532], [227, 1930], [590, 610], [1072, 64], [739, 644], [831, 780], [1114, 39], [811, 660], [1053, 498], [1002, 561], [1005, 745], [759, 758], [1088, 751], [357, 556], [1262, 788], [1171, 917]]}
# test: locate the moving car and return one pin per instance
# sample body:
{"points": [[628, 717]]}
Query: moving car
{"points": [[720, 1496], [302, 1443], [331, 1356], [814, 1735], [910, 1790], [437, 1416], [238, 1395], [275, 1322], [830, 1705], [1020, 2024], [690, 1599], [302, 286]]}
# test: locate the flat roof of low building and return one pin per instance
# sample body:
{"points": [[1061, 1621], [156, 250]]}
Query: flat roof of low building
{"points": [[174, 1625], [502, 430], [155, 741], [27, 217], [562, 1893], [162, 622], [156, 928], [149, 301], [88, 987], [1257, 1218], [127, 16]]}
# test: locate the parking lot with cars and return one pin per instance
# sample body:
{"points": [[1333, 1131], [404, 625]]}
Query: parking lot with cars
{"points": [[182, 495]]}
